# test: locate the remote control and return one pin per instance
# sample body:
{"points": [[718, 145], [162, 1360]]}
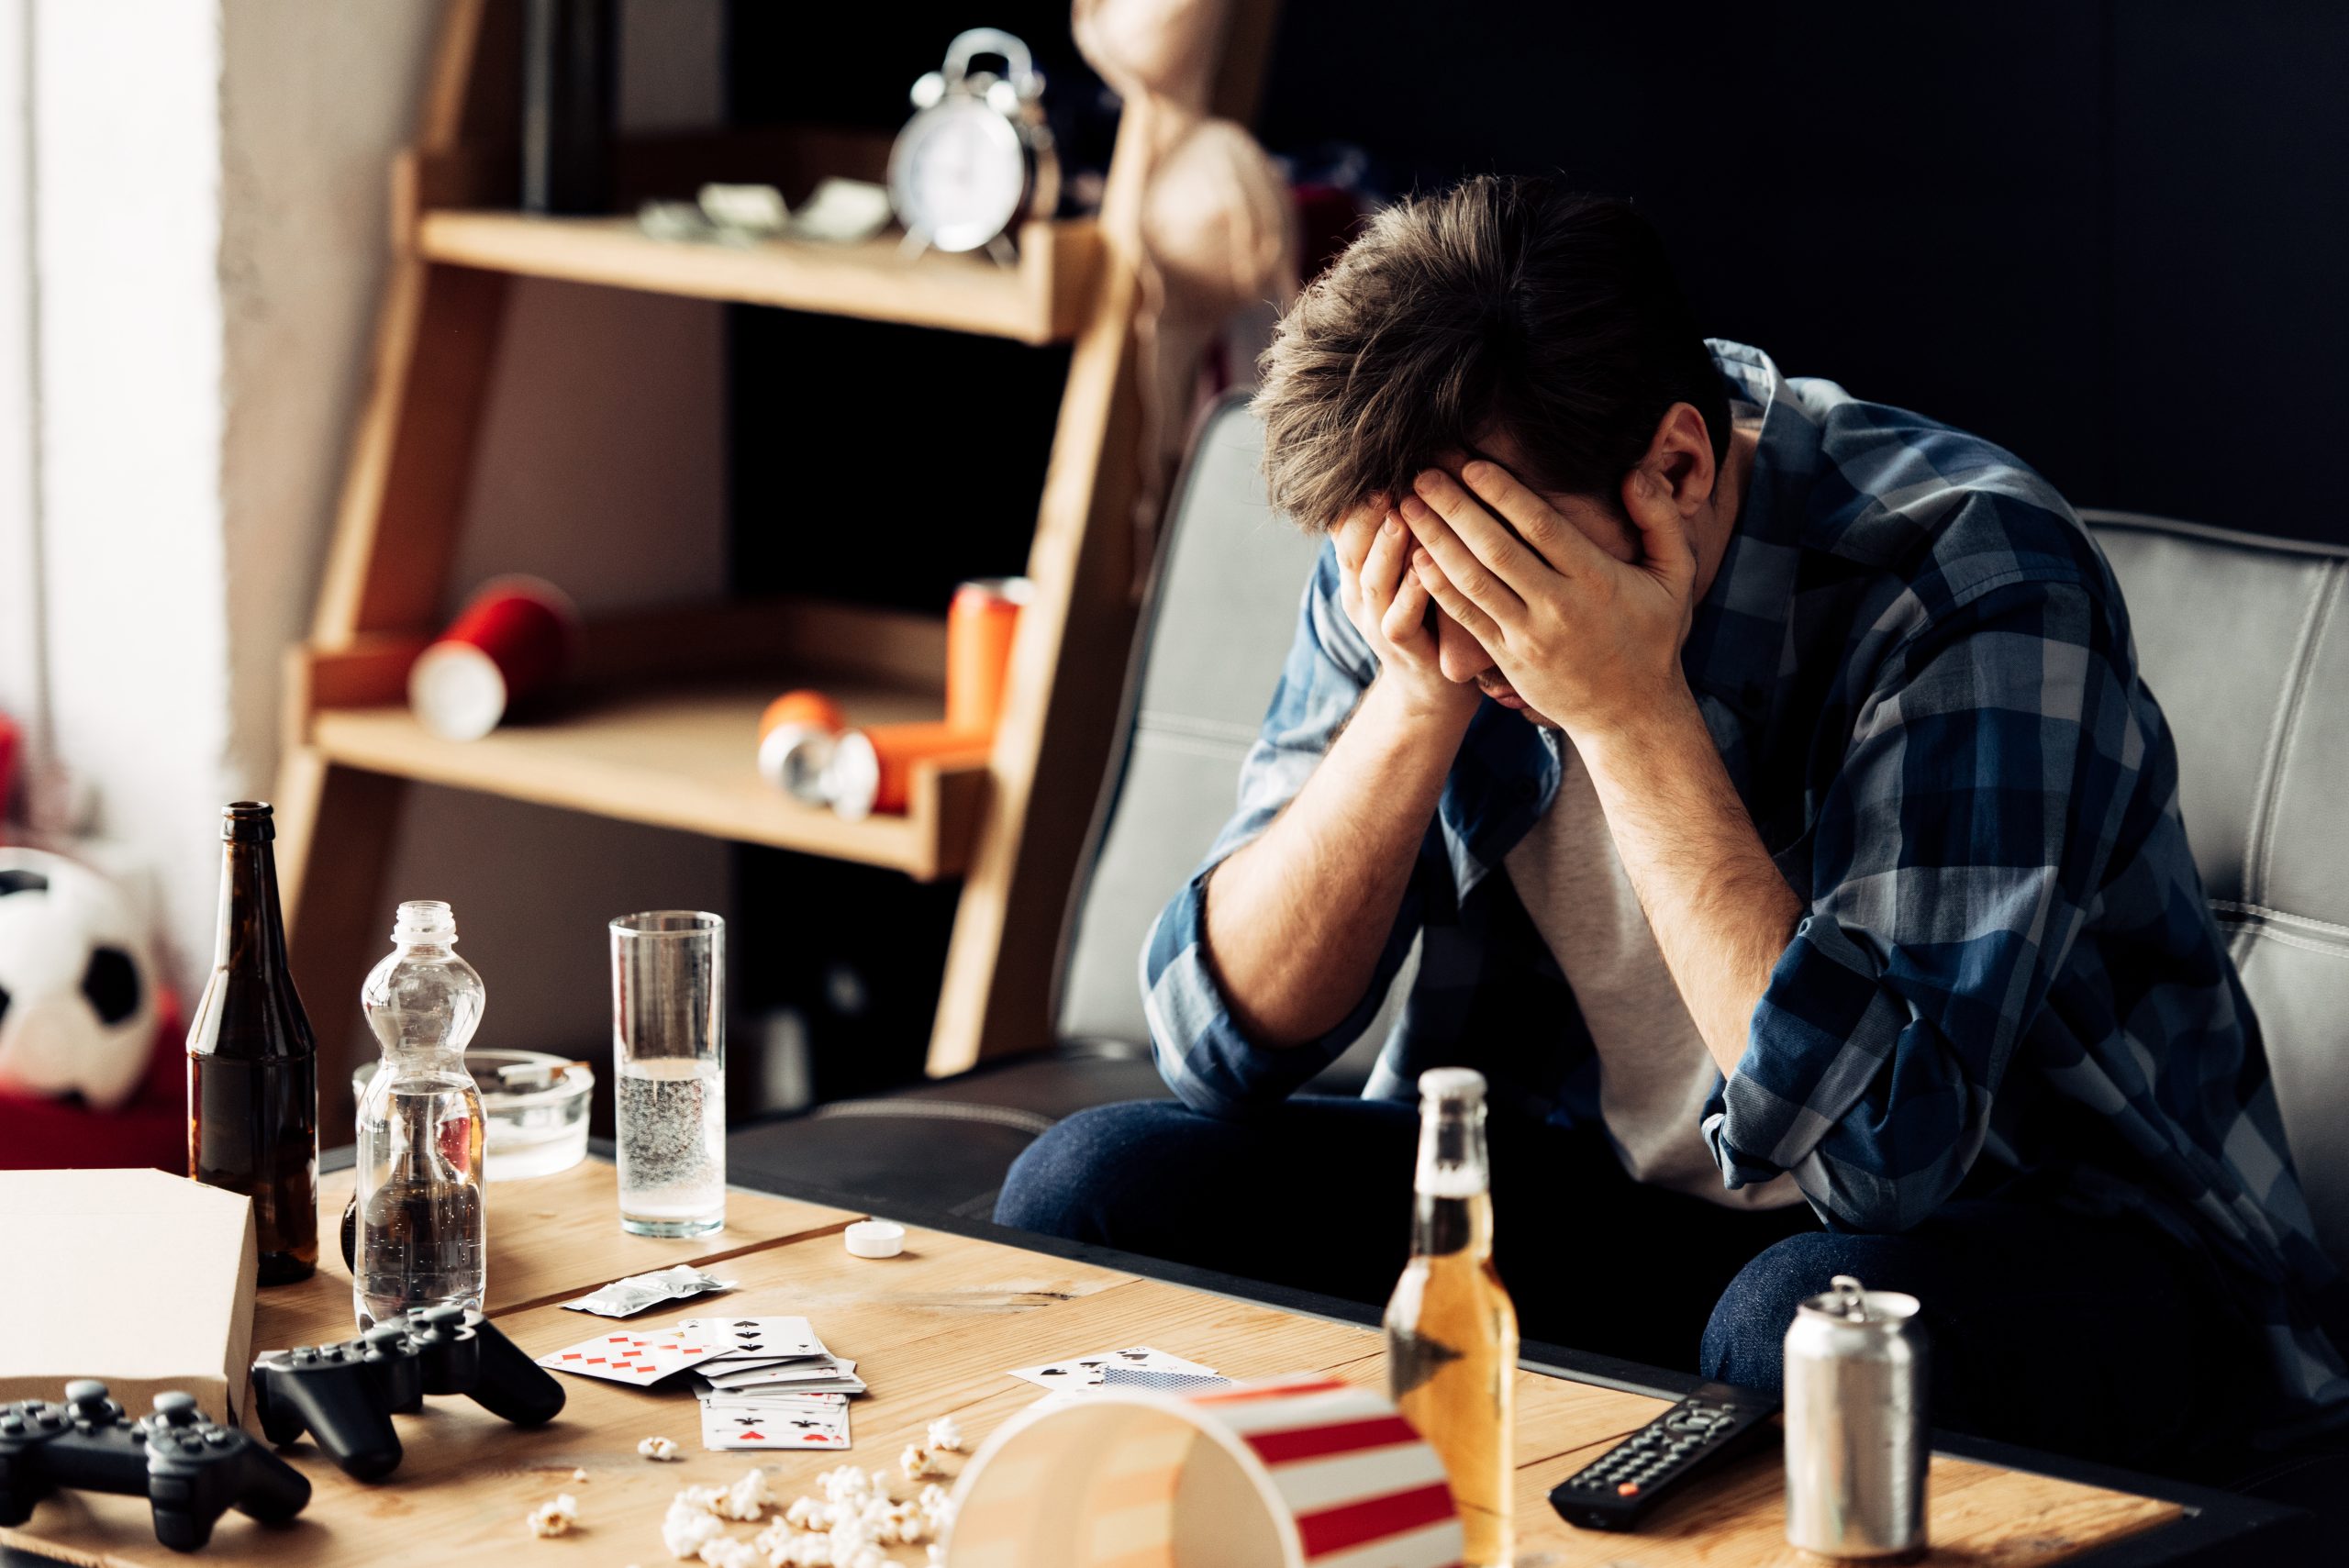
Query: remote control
{"points": [[1715, 1423]]}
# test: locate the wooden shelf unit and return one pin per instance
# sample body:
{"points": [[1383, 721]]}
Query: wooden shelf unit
{"points": [[1042, 300], [662, 729]]}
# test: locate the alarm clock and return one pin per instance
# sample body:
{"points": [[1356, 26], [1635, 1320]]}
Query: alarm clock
{"points": [[976, 158]]}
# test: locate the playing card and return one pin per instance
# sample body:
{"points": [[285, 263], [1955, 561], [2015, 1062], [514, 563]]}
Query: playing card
{"points": [[1085, 1371], [831, 1372], [1116, 1376], [751, 1339], [728, 1425], [639, 1359], [766, 1398]]}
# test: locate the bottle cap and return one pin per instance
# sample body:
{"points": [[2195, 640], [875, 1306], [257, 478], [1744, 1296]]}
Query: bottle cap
{"points": [[1452, 1083], [424, 920], [876, 1239]]}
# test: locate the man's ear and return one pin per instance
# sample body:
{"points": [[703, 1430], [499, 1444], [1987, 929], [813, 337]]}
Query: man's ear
{"points": [[1678, 463]]}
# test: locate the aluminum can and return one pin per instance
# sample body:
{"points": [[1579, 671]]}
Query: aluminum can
{"points": [[1857, 1372], [981, 623]]}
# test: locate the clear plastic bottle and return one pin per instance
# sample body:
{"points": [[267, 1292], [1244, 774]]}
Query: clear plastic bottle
{"points": [[421, 1211]]}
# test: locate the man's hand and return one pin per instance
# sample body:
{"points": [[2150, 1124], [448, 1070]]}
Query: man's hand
{"points": [[1589, 640], [1388, 604]]}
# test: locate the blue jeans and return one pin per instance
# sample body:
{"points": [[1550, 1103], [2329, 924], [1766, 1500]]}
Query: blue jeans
{"points": [[2096, 1337]]}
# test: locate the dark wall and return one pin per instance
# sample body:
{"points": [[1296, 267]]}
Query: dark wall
{"points": [[2108, 236]]}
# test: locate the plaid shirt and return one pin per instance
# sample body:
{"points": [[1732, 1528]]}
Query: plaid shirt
{"points": [[1917, 667]]}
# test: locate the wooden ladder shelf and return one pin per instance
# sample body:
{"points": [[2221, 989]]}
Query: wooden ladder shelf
{"points": [[662, 732]]}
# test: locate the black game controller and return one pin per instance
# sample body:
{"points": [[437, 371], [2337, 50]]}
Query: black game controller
{"points": [[190, 1471], [344, 1394]]}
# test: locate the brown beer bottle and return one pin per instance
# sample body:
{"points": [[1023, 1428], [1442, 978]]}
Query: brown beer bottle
{"points": [[252, 1063]]}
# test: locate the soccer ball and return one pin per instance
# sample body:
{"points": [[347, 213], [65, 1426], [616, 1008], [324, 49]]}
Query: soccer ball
{"points": [[77, 1006]]}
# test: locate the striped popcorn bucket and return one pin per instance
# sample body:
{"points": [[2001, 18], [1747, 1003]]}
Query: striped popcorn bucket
{"points": [[1298, 1472]]}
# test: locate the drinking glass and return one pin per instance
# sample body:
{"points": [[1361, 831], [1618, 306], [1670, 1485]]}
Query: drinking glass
{"points": [[669, 1062]]}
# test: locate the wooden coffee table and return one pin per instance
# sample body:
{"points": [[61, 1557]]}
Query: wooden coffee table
{"points": [[933, 1333]]}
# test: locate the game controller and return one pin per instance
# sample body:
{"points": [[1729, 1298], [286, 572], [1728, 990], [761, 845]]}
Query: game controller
{"points": [[344, 1394], [190, 1470]]}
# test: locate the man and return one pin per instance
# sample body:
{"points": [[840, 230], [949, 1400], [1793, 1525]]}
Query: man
{"points": [[1764, 778]]}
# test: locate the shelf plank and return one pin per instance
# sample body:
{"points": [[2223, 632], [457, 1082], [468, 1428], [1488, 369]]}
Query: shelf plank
{"points": [[1042, 300], [677, 757]]}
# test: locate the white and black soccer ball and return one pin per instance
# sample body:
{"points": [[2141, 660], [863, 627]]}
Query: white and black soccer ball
{"points": [[77, 996]]}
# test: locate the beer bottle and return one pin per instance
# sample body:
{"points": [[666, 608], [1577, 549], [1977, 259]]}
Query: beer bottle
{"points": [[1451, 1329], [252, 1063]]}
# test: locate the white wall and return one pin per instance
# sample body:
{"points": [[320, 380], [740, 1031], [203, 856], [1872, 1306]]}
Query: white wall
{"points": [[18, 602], [127, 179], [212, 179]]}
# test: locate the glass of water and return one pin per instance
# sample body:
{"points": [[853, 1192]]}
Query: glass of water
{"points": [[669, 1060]]}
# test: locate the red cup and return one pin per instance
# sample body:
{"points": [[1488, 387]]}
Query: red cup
{"points": [[981, 623], [10, 743], [516, 637]]}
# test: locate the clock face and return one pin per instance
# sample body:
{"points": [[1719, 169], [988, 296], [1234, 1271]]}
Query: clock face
{"points": [[957, 174]]}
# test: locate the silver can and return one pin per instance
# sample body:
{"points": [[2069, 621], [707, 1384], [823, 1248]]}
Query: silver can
{"points": [[1858, 1370]]}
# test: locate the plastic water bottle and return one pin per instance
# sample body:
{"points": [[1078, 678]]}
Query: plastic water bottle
{"points": [[421, 1238]]}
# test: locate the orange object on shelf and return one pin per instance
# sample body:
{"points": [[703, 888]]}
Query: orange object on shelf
{"points": [[981, 623], [796, 735], [872, 769]]}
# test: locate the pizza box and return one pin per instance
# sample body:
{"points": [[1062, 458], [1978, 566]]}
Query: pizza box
{"points": [[138, 1278]]}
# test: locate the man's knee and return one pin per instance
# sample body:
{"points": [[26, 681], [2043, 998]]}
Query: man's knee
{"points": [[1060, 1182], [1744, 1342]]}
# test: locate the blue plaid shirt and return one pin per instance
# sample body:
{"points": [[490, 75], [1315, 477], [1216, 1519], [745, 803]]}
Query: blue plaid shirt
{"points": [[1917, 667]]}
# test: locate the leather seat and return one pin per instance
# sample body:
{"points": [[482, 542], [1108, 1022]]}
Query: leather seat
{"points": [[2245, 641]]}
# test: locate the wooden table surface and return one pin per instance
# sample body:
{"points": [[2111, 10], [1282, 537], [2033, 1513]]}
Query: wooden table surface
{"points": [[933, 1333]]}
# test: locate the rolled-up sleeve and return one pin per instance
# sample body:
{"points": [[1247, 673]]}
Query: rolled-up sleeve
{"points": [[1200, 1052], [1969, 827]]}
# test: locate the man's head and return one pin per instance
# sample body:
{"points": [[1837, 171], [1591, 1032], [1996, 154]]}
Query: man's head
{"points": [[1507, 318], [1499, 305]]}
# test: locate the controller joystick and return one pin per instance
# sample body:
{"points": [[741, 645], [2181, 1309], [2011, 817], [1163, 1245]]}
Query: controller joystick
{"points": [[344, 1395], [190, 1470]]}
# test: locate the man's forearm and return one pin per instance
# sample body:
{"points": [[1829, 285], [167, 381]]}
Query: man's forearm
{"points": [[1296, 920], [1722, 913]]}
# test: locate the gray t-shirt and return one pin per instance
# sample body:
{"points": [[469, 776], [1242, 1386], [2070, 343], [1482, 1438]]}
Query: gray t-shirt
{"points": [[1655, 1072]]}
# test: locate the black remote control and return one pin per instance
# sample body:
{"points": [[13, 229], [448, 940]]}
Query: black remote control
{"points": [[1715, 1423]]}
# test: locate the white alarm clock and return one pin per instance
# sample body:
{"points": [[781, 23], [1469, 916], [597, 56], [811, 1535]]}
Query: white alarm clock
{"points": [[977, 158]]}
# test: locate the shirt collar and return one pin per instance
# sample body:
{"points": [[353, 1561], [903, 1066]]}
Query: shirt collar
{"points": [[1737, 648]]}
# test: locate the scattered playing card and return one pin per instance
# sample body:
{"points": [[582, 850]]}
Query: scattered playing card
{"points": [[758, 1338], [728, 1425], [830, 1372], [1114, 1376], [639, 1359], [1086, 1372]]}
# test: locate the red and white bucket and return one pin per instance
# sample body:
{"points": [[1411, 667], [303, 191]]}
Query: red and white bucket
{"points": [[1298, 1472], [516, 637]]}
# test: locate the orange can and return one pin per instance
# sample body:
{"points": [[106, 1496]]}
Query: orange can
{"points": [[797, 734], [872, 769], [981, 625]]}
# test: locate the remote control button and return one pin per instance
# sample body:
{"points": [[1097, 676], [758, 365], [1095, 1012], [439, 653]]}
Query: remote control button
{"points": [[85, 1391], [12, 1426], [218, 1437], [1628, 1489], [50, 1419], [177, 1408], [448, 1314]]}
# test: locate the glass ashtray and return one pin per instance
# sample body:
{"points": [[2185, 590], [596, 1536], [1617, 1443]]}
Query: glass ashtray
{"points": [[534, 1110]]}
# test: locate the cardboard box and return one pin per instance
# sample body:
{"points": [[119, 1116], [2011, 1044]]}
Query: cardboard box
{"points": [[136, 1277]]}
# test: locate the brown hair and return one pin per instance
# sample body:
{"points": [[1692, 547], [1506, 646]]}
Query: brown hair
{"points": [[1500, 304]]}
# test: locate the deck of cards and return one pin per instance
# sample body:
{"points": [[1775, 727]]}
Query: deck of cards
{"points": [[762, 1382]]}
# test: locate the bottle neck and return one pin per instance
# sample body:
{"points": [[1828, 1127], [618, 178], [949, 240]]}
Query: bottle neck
{"points": [[1452, 1206], [252, 927]]}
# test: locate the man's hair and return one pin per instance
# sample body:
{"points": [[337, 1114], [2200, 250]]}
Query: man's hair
{"points": [[1500, 304]]}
